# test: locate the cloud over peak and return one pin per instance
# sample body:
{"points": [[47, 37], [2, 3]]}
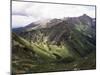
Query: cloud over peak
{"points": [[31, 11]]}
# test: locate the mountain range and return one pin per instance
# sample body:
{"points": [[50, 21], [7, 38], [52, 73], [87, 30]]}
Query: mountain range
{"points": [[67, 40]]}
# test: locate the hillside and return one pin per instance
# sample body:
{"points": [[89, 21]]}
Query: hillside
{"points": [[68, 41]]}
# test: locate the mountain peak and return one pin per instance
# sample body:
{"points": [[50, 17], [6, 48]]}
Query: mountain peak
{"points": [[85, 16]]}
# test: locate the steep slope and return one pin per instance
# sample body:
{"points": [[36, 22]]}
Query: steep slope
{"points": [[77, 32], [70, 41]]}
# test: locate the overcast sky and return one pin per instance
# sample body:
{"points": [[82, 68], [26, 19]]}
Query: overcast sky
{"points": [[24, 13]]}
